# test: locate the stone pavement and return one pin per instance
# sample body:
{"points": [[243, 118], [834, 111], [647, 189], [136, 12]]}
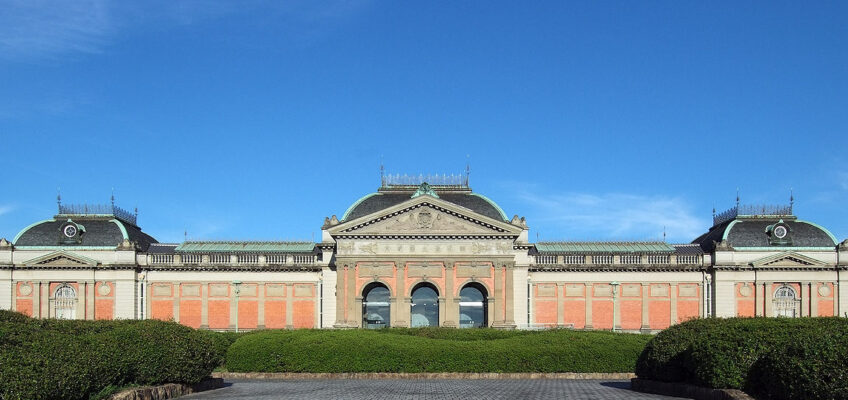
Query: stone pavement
{"points": [[429, 389]]}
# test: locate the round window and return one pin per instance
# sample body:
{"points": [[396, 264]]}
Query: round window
{"points": [[70, 231], [780, 231]]}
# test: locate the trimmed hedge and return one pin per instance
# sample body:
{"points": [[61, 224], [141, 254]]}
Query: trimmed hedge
{"points": [[52, 359], [434, 350], [740, 353]]}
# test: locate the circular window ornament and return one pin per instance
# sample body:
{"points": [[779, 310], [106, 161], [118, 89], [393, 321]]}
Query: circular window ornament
{"points": [[70, 231], [780, 231]]}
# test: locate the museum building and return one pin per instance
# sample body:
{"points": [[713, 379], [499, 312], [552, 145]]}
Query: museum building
{"points": [[423, 251]]}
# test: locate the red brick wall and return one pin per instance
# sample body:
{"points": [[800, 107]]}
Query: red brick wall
{"points": [[304, 314], [546, 312], [219, 314], [162, 309], [104, 306], [248, 314], [575, 313], [190, 312], [631, 314], [275, 314], [602, 313]]}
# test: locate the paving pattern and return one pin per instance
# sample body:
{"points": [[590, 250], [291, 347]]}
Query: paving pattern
{"points": [[429, 389]]}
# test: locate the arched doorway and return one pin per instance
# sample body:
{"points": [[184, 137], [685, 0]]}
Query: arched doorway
{"points": [[785, 302], [65, 302], [424, 310], [375, 306], [473, 307]]}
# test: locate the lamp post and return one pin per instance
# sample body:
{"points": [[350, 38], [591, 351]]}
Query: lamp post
{"points": [[614, 285], [237, 290]]}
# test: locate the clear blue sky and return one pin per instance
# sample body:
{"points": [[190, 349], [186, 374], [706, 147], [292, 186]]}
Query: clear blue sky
{"points": [[254, 120]]}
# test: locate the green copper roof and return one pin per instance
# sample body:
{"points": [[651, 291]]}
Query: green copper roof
{"points": [[237, 247], [604, 247]]}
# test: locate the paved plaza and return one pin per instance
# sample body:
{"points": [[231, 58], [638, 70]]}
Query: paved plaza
{"points": [[429, 389]]}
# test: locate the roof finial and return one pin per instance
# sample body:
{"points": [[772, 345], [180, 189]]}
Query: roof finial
{"points": [[737, 197], [59, 198], [185, 235], [467, 169], [663, 233], [791, 199], [136, 211], [113, 198], [713, 211], [382, 172]]}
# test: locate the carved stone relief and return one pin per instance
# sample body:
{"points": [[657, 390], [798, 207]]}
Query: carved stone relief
{"points": [[424, 220], [478, 271], [376, 270], [431, 271]]}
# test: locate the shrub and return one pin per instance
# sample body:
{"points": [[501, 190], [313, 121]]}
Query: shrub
{"points": [[412, 350], [721, 353], [811, 366], [51, 359]]}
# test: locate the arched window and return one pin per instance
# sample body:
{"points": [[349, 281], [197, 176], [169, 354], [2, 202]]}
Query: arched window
{"points": [[473, 308], [65, 302], [785, 302], [425, 306], [375, 306]]}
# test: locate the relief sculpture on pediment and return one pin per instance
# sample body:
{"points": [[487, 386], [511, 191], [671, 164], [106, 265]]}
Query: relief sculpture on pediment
{"points": [[424, 220]]}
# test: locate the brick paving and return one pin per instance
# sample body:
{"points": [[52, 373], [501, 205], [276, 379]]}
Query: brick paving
{"points": [[429, 389]]}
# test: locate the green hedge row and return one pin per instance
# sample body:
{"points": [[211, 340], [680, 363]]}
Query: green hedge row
{"points": [[780, 358], [434, 350], [52, 359]]}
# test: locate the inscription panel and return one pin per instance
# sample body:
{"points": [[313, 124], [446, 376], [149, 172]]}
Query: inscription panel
{"points": [[687, 290], [479, 271], [191, 290], [574, 290], [433, 271], [275, 290], [546, 290], [219, 289], [631, 290], [659, 290], [376, 270], [162, 290]]}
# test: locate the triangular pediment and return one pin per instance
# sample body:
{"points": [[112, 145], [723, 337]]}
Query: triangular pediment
{"points": [[787, 259], [425, 215], [61, 259]]}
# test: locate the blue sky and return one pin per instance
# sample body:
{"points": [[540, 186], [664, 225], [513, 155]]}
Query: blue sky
{"points": [[255, 120]]}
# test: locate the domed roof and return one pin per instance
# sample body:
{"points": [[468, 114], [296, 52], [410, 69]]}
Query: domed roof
{"points": [[754, 232], [384, 199], [101, 231]]}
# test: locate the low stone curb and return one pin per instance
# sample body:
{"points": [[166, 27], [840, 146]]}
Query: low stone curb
{"points": [[422, 375], [167, 391], [680, 389]]}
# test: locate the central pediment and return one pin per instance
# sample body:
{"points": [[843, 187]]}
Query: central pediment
{"points": [[425, 215]]}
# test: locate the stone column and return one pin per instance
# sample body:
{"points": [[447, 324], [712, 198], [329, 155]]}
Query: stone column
{"points": [[814, 299], [451, 308], [260, 312], [768, 299], [354, 307], [560, 290], [499, 297], [646, 321], [759, 298], [341, 295], [204, 305], [509, 296], [36, 298], [176, 303], [289, 306], [589, 289], [672, 292], [805, 299], [401, 309], [45, 294], [233, 307]]}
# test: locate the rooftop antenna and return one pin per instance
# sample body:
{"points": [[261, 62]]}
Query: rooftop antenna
{"points": [[468, 170], [382, 172], [791, 199]]}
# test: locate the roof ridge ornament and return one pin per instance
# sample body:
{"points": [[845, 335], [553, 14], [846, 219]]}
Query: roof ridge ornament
{"points": [[424, 188]]}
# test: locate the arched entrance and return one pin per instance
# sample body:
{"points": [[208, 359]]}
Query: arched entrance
{"points": [[473, 308], [65, 302], [375, 306], [785, 302], [424, 310]]}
